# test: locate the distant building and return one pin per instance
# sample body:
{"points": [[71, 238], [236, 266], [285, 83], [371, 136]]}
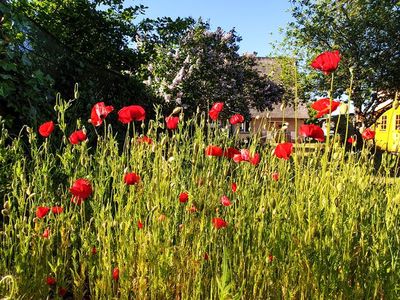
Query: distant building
{"points": [[387, 127], [275, 125], [279, 123]]}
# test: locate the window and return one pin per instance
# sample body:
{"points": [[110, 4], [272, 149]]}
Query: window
{"points": [[383, 122], [245, 126], [397, 122]]}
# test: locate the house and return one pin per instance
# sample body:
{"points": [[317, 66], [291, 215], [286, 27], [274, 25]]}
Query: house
{"points": [[387, 127], [277, 125]]}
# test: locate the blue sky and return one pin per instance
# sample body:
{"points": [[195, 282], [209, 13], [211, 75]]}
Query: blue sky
{"points": [[256, 21]]}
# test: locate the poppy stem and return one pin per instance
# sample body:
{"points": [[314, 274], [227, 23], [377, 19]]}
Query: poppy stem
{"points": [[328, 128], [348, 112]]}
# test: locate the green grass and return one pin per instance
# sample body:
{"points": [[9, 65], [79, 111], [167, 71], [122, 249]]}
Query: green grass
{"points": [[309, 235]]}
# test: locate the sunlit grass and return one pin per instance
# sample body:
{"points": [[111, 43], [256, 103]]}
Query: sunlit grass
{"points": [[311, 234]]}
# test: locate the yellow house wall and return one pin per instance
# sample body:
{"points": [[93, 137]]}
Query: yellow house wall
{"points": [[388, 139]]}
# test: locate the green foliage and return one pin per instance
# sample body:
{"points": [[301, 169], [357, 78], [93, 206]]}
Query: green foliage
{"points": [[367, 33], [24, 87], [195, 67], [56, 44]]}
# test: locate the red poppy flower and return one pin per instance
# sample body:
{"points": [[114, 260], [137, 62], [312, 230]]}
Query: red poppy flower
{"points": [[352, 140], [255, 159], [283, 150], [275, 176], [99, 112], [219, 223], [115, 273], [235, 119], [57, 210], [139, 225], [230, 152], [183, 197], [368, 134], [225, 201], [323, 106], [131, 178], [245, 153], [206, 256], [46, 129], [131, 113], [77, 136], [270, 258], [172, 122], [214, 151], [145, 139], [326, 62], [94, 250], [213, 115], [215, 110], [81, 190], [218, 106], [234, 187], [312, 131], [237, 158], [50, 280], [62, 291], [42, 211], [46, 233]]}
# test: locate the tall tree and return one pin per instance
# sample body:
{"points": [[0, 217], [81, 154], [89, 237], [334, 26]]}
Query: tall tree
{"points": [[367, 33], [198, 67], [62, 42]]}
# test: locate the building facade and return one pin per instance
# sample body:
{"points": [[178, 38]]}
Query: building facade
{"points": [[387, 129]]}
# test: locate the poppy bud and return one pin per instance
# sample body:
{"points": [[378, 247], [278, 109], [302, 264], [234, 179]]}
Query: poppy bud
{"points": [[270, 258], [50, 280], [6, 205], [46, 233], [62, 292], [163, 141], [115, 274], [5, 212], [140, 225], [176, 110]]}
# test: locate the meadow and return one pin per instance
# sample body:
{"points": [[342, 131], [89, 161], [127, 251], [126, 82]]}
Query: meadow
{"points": [[191, 220]]}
